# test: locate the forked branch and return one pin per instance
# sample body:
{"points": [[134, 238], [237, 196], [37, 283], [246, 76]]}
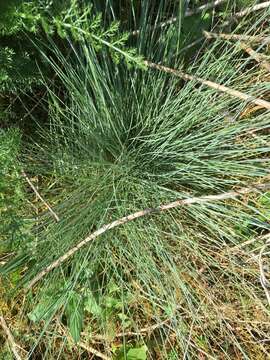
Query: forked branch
{"points": [[141, 213]]}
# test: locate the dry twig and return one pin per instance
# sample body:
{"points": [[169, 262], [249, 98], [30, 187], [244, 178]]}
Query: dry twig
{"points": [[89, 349], [146, 329], [138, 214], [248, 242], [188, 13], [93, 351], [40, 197], [206, 7], [211, 84], [264, 282], [141, 331], [10, 339], [251, 9], [245, 12], [256, 56], [237, 37]]}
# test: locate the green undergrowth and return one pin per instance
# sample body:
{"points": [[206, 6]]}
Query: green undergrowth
{"points": [[13, 228], [118, 140]]}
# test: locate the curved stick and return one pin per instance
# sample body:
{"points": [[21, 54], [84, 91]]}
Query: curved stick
{"points": [[221, 88], [40, 197], [138, 214]]}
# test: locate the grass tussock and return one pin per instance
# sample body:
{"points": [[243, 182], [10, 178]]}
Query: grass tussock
{"points": [[172, 285]]}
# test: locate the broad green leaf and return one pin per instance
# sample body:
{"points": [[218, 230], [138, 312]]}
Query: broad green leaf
{"points": [[74, 313], [170, 310], [44, 309], [126, 321], [113, 303], [113, 287], [265, 199], [137, 353], [37, 313], [91, 305]]}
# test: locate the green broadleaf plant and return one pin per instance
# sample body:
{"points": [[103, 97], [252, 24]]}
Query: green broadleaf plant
{"points": [[74, 314]]}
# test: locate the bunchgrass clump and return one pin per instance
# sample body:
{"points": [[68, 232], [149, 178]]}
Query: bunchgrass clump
{"points": [[120, 140]]}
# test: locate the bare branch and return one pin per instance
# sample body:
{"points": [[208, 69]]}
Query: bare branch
{"points": [[237, 37], [206, 7], [93, 351], [246, 243], [188, 13], [251, 9], [255, 39], [211, 84], [138, 214], [256, 56], [141, 331], [245, 12], [10, 339], [40, 197], [203, 8], [264, 282]]}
